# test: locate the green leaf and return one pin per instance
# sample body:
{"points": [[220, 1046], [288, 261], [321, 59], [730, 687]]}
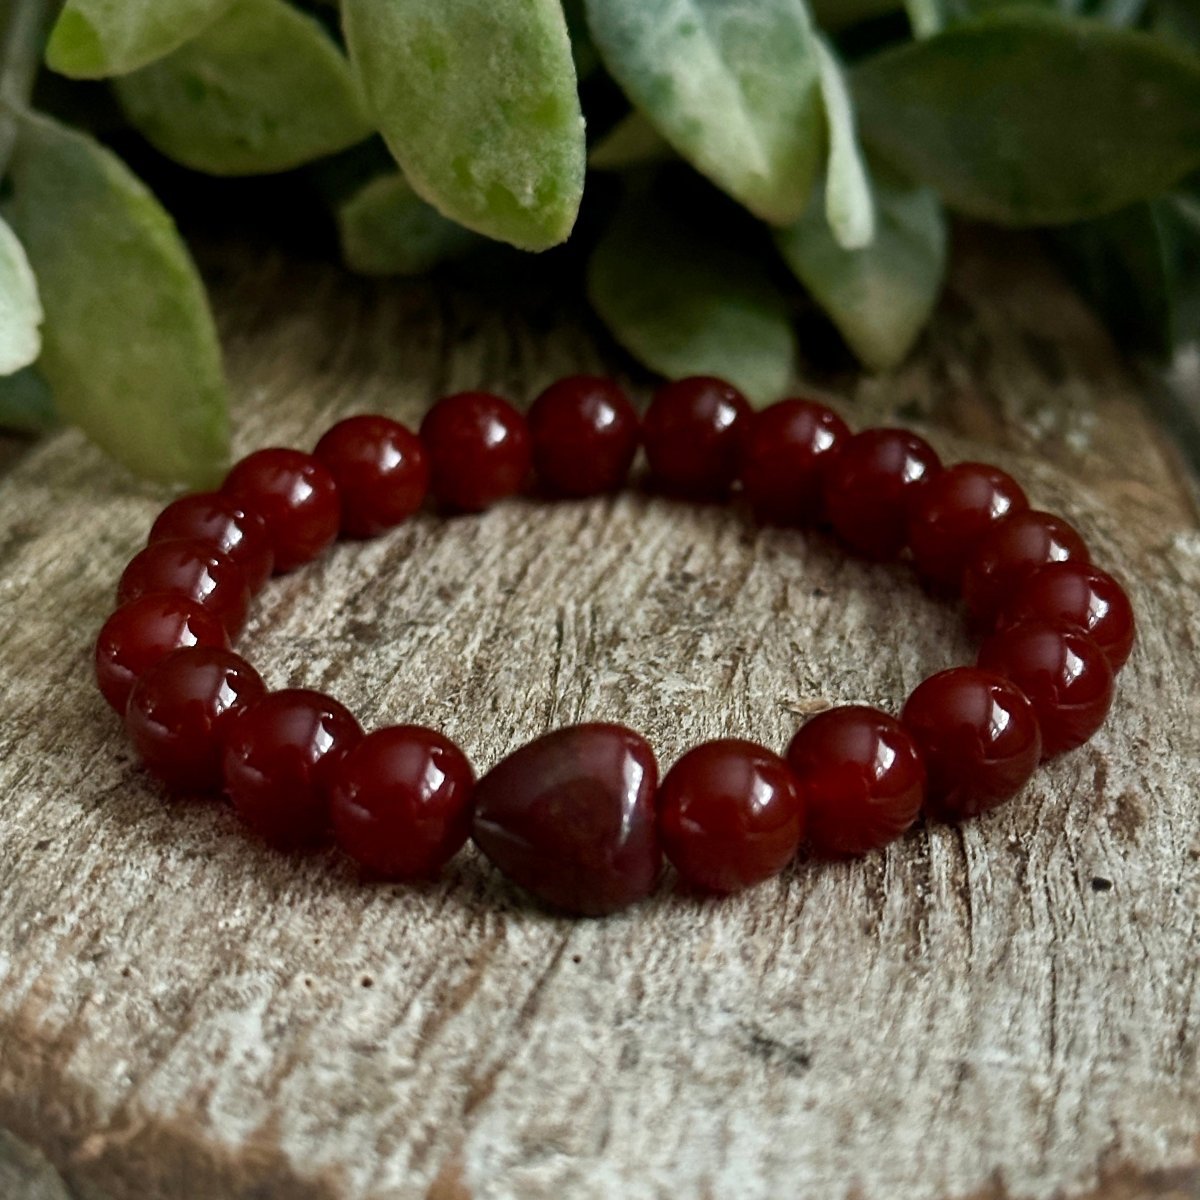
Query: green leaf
{"points": [[631, 142], [25, 402], [849, 207], [879, 297], [1027, 119], [1177, 21], [840, 14], [128, 346], [478, 104], [262, 89], [96, 38], [928, 17], [387, 229], [733, 87], [684, 301], [20, 308]]}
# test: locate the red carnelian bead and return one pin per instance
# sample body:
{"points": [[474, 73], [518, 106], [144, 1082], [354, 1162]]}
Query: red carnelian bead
{"points": [[380, 470], [1077, 594], [1063, 672], [692, 433], [729, 815], [295, 495], [979, 737], [871, 485], [570, 817], [193, 568], [279, 758], [785, 452], [585, 434], [401, 802], [224, 523], [861, 778], [1011, 550], [144, 631], [952, 512], [478, 447], [179, 709]]}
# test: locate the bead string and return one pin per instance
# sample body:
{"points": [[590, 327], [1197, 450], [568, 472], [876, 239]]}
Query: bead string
{"points": [[578, 817]]}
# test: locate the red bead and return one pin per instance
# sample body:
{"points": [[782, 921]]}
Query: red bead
{"points": [[871, 485], [952, 512], [401, 802], [279, 759], [179, 709], [785, 453], [224, 523], [570, 817], [1063, 672], [295, 495], [144, 631], [585, 434], [979, 737], [192, 568], [1077, 594], [380, 470], [861, 777], [729, 815], [1010, 551], [692, 433], [479, 450]]}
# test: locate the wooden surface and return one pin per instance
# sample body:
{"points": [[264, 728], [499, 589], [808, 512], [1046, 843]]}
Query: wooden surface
{"points": [[1007, 1009]]}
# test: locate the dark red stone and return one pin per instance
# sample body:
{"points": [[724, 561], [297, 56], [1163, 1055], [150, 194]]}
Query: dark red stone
{"points": [[729, 815], [861, 778], [400, 802], [221, 521], [570, 817]]}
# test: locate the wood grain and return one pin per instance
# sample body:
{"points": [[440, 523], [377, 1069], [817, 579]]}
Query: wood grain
{"points": [[1010, 1009]]}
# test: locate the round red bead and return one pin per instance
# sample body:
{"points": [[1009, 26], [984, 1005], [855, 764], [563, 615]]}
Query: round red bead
{"points": [[224, 523], [479, 450], [144, 631], [192, 568], [585, 434], [785, 453], [729, 815], [979, 738], [380, 470], [1063, 672], [295, 495], [400, 802], [861, 778], [179, 709], [692, 433], [952, 512], [279, 758], [871, 485]]}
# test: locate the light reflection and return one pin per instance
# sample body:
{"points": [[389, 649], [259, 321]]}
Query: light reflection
{"points": [[1000, 720], [433, 778], [1073, 666], [885, 756]]}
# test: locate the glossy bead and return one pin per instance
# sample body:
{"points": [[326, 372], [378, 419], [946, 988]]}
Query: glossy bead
{"points": [[570, 817], [279, 758], [692, 433], [585, 434], [785, 453], [295, 495], [1078, 594], [221, 521], [1010, 551], [192, 568], [861, 778], [1063, 672], [479, 450], [400, 802], [979, 738], [729, 815], [380, 470], [179, 709], [144, 631], [951, 513], [871, 485]]}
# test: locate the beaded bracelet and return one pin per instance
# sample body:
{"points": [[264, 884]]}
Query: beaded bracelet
{"points": [[578, 817]]}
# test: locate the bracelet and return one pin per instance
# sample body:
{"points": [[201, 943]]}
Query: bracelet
{"points": [[578, 817]]}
